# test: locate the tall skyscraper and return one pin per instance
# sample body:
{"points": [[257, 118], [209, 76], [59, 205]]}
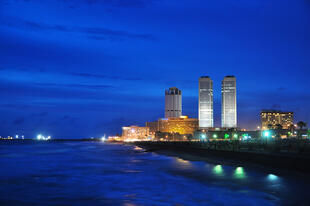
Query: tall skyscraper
{"points": [[173, 102], [229, 102], [205, 102]]}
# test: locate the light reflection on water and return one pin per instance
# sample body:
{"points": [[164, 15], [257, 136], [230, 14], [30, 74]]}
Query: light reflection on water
{"points": [[239, 173], [83, 173], [218, 170]]}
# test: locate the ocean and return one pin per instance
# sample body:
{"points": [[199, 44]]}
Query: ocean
{"points": [[97, 173]]}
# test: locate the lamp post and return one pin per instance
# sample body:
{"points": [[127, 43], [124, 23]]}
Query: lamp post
{"points": [[266, 134]]}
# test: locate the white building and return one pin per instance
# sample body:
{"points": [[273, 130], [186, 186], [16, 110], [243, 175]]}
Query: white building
{"points": [[205, 106], [229, 102], [173, 102]]}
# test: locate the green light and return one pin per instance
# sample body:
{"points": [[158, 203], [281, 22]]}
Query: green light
{"points": [[239, 173], [266, 133], [218, 170], [214, 136], [235, 135], [203, 136], [226, 136], [245, 136]]}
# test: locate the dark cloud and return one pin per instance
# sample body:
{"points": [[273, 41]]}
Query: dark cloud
{"points": [[18, 121], [100, 32], [105, 76], [65, 117], [85, 86], [13, 106], [61, 120], [113, 3], [281, 89], [41, 114]]}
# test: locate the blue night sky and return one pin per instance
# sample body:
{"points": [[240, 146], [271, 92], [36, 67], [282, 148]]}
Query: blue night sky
{"points": [[83, 68]]}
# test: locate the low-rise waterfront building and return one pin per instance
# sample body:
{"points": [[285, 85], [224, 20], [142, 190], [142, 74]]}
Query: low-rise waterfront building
{"points": [[171, 136], [153, 127], [182, 125], [135, 133], [271, 119]]}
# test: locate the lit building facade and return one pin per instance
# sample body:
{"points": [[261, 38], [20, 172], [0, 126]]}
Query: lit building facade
{"points": [[229, 102], [205, 107], [135, 133], [153, 127], [173, 102], [274, 118], [181, 125]]}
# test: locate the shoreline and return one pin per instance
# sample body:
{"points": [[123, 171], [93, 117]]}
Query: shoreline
{"points": [[272, 162]]}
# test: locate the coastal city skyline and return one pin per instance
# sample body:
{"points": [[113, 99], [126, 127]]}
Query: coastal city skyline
{"points": [[115, 73], [154, 102]]}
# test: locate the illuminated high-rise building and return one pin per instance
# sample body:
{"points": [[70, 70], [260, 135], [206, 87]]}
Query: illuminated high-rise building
{"points": [[205, 106], [229, 102], [173, 102]]}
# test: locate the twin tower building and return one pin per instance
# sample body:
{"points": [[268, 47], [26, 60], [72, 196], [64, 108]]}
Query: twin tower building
{"points": [[173, 103]]}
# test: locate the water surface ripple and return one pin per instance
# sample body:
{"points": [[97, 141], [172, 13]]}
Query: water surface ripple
{"points": [[95, 173]]}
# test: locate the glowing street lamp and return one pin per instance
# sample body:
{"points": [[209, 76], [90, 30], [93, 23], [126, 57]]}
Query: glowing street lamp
{"points": [[214, 136], [266, 133]]}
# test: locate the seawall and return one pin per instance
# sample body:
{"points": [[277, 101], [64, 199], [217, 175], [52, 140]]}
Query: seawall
{"points": [[294, 162]]}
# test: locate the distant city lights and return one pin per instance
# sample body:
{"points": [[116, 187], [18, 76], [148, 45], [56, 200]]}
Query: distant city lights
{"points": [[41, 137]]}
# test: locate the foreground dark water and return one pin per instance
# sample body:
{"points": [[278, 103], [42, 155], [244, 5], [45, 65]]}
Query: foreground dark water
{"points": [[94, 173]]}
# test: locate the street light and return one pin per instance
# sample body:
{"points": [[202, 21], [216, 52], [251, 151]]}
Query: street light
{"points": [[266, 133]]}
